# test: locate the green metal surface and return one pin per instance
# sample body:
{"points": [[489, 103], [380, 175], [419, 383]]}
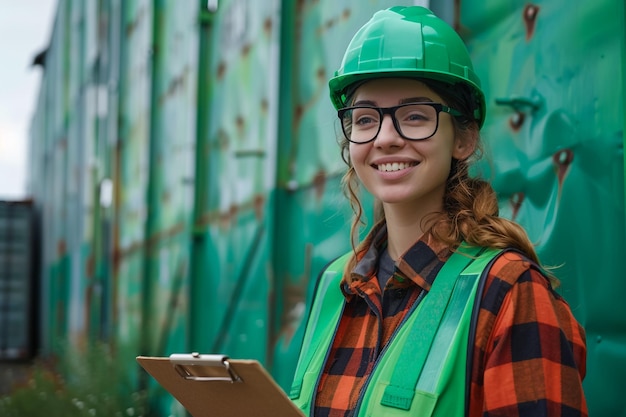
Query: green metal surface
{"points": [[130, 179], [232, 279], [170, 180], [104, 22], [621, 13], [555, 135], [56, 257], [80, 140]]}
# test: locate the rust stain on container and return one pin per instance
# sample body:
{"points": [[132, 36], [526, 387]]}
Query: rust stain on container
{"points": [[259, 205], [268, 25], [132, 26], [90, 267], [562, 161], [297, 116], [154, 240], [517, 120], [176, 84], [516, 201], [221, 70], [222, 140], [294, 295], [265, 105], [226, 218], [530, 18], [245, 50], [240, 122], [321, 74], [319, 183], [332, 22], [328, 25], [166, 196], [120, 253], [61, 248]]}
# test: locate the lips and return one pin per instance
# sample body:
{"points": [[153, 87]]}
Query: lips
{"points": [[394, 166]]}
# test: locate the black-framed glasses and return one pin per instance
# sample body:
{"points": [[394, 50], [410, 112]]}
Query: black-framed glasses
{"points": [[413, 121]]}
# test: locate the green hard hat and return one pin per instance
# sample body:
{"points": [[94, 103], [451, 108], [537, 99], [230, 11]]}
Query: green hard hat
{"points": [[407, 42]]}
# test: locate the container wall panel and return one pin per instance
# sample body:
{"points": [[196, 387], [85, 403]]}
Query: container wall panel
{"points": [[59, 258], [171, 181], [555, 143], [231, 298], [130, 182], [54, 234], [103, 105], [80, 150]]}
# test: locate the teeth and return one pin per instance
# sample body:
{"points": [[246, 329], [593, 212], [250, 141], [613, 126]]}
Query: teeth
{"points": [[395, 166]]}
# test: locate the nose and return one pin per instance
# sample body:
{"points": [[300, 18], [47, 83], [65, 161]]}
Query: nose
{"points": [[388, 136]]}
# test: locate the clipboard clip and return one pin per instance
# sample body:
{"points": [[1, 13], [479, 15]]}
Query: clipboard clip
{"points": [[197, 367]]}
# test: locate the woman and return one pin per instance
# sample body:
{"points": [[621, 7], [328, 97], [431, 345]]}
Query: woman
{"points": [[443, 308]]}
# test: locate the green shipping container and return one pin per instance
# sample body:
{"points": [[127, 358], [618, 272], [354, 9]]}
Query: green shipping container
{"points": [[186, 169]]}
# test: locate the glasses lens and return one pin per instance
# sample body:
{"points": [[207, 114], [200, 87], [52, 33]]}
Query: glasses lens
{"points": [[414, 121], [360, 124]]}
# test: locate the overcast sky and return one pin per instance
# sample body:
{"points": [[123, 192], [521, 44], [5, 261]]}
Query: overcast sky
{"points": [[25, 30]]}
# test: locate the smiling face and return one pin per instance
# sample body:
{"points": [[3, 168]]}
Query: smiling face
{"points": [[398, 171]]}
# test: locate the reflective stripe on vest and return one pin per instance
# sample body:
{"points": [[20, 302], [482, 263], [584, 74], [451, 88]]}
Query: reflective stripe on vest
{"points": [[433, 342]]}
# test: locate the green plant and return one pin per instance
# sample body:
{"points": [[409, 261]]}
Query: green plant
{"points": [[83, 383]]}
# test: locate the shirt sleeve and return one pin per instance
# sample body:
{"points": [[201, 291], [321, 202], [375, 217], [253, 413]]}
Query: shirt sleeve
{"points": [[533, 351]]}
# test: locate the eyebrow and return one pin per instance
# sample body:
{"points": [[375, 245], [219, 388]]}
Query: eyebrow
{"points": [[403, 101]]}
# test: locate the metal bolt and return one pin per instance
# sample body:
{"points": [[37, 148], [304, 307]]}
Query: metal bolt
{"points": [[531, 12], [212, 5]]}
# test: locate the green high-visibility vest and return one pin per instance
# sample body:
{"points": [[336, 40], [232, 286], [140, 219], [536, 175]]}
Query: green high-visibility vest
{"points": [[422, 371]]}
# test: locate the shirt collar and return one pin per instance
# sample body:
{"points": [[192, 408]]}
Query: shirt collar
{"points": [[417, 266]]}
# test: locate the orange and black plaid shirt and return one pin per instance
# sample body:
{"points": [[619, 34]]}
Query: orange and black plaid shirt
{"points": [[529, 351]]}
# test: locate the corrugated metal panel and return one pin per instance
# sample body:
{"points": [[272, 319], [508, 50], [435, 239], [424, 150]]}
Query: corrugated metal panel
{"points": [[555, 130], [170, 187], [54, 234], [231, 298], [170, 184], [130, 182], [81, 128], [103, 104]]}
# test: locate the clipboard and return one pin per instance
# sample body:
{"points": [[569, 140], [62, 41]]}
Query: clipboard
{"points": [[217, 386]]}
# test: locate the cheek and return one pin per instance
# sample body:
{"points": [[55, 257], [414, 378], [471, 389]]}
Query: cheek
{"points": [[357, 152], [358, 158]]}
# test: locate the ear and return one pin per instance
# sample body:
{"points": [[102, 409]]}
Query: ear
{"points": [[465, 144]]}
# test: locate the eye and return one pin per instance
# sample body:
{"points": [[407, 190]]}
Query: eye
{"points": [[365, 118], [416, 114], [415, 117], [364, 121]]}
